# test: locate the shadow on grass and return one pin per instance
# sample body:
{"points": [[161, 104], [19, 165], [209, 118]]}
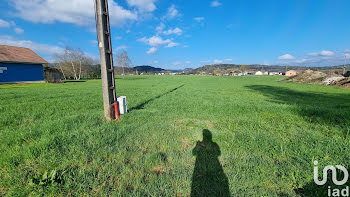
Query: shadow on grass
{"points": [[142, 105], [208, 177], [130, 78], [320, 108], [74, 81]]}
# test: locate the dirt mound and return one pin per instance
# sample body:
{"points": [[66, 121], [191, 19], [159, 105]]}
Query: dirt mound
{"points": [[332, 80], [323, 78], [345, 82], [308, 77]]}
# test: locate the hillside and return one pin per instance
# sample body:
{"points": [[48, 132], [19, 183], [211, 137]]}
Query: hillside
{"points": [[139, 69], [147, 69], [256, 67]]}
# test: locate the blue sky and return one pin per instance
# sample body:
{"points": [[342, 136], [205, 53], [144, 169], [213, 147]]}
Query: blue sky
{"points": [[187, 33]]}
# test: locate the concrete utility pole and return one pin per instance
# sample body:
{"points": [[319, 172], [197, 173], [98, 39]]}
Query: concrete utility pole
{"points": [[106, 55]]}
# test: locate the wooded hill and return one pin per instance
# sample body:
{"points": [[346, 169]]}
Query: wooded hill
{"points": [[255, 67], [138, 69]]}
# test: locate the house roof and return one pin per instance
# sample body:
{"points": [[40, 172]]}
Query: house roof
{"points": [[19, 55]]}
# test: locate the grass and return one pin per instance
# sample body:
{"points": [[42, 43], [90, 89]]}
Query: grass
{"points": [[263, 137]]}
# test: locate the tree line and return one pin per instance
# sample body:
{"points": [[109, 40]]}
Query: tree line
{"points": [[74, 64]]}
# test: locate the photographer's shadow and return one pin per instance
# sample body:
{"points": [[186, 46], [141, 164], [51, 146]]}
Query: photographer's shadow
{"points": [[208, 177]]}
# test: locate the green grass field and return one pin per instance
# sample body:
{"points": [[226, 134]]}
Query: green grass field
{"points": [[265, 136]]}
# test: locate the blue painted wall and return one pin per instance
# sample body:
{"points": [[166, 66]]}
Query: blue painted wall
{"points": [[21, 72]]}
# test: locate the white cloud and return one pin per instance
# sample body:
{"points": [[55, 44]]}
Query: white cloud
{"points": [[177, 63], [18, 30], [160, 28], [118, 37], [301, 61], [308, 61], [122, 47], [37, 47], [176, 31], [4, 23], [188, 62], [215, 4], [320, 60], [228, 60], [218, 61], [80, 12], [152, 50], [143, 5], [327, 53], [172, 44], [205, 61], [323, 53], [155, 61], [286, 57], [172, 12], [155, 42], [199, 19], [313, 54], [347, 51]]}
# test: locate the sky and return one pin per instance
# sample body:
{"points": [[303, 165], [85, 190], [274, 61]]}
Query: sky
{"points": [[181, 34]]}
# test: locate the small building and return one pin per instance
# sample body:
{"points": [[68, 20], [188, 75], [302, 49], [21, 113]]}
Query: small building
{"points": [[259, 73], [291, 73], [273, 73], [20, 65], [52, 75], [251, 72]]}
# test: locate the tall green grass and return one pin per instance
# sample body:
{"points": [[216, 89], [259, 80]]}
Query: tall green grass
{"points": [[54, 140]]}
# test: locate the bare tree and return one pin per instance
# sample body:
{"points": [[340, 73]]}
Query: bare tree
{"points": [[75, 58], [73, 63], [123, 60], [58, 64]]}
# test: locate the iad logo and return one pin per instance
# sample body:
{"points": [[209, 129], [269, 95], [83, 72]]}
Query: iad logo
{"points": [[332, 192], [2, 69]]}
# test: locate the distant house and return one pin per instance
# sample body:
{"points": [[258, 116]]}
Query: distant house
{"points": [[19, 64], [273, 73], [251, 72], [291, 73], [259, 73]]}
